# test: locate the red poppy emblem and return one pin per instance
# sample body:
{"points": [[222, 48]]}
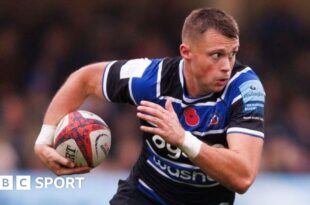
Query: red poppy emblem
{"points": [[191, 117]]}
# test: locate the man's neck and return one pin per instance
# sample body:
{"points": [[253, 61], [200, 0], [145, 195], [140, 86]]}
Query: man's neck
{"points": [[191, 85]]}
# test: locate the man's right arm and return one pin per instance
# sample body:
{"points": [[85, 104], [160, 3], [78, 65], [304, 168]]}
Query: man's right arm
{"points": [[80, 84]]}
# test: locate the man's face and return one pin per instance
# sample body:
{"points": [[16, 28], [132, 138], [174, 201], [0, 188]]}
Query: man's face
{"points": [[210, 61]]}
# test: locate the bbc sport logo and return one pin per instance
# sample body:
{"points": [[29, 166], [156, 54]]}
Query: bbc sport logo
{"points": [[27, 182]]}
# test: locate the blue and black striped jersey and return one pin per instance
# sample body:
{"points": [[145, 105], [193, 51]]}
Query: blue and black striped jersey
{"points": [[163, 171]]}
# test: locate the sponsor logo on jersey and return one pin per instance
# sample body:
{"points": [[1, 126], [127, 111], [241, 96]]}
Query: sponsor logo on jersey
{"points": [[172, 168], [253, 95]]}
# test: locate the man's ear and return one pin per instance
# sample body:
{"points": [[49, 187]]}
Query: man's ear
{"points": [[185, 51]]}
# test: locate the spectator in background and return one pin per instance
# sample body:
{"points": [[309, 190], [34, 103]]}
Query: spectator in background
{"points": [[12, 75], [14, 129], [8, 156], [53, 52]]}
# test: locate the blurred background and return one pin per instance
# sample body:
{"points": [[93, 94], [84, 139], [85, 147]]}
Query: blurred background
{"points": [[42, 42]]}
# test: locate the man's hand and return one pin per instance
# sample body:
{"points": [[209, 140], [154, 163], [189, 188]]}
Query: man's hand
{"points": [[56, 163], [165, 119]]}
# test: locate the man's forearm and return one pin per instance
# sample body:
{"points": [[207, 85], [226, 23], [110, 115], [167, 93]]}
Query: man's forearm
{"points": [[225, 166], [231, 168]]}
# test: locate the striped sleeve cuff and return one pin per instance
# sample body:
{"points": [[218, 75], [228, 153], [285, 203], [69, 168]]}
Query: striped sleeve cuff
{"points": [[105, 79], [254, 133]]}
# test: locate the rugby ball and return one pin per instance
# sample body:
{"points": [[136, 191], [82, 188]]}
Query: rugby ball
{"points": [[83, 137]]}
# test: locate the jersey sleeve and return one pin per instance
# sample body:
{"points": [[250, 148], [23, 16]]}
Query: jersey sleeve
{"points": [[247, 106], [130, 81]]}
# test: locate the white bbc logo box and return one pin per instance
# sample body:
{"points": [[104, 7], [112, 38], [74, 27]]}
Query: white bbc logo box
{"points": [[21, 182], [6, 182]]}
